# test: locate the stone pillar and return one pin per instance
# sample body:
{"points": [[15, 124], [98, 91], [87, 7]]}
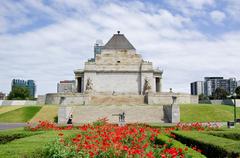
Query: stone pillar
{"points": [[64, 113], [175, 109], [76, 84], [160, 84]]}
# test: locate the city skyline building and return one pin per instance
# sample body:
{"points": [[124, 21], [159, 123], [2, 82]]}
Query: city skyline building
{"points": [[29, 84], [210, 84], [197, 88], [2, 96]]}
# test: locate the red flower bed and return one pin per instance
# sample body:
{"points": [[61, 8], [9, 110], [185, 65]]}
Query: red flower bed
{"points": [[102, 139], [114, 141], [196, 126], [46, 125]]}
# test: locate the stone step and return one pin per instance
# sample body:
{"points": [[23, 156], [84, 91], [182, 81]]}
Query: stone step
{"points": [[133, 113], [117, 100]]}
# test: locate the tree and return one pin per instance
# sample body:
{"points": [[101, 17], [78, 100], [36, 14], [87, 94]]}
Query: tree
{"points": [[220, 93], [203, 97], [237, 91], [19, 93]]}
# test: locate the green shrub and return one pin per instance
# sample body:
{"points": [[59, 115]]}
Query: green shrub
{"points": [[58, 150], [56, 119], [8, 137], [163, 139], [226, 134], [212, 146]]}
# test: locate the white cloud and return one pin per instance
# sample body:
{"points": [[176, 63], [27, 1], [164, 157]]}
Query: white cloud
{"points": [[217, 16], [191, 7], [199, 4], [51, 53], [233, 9]]}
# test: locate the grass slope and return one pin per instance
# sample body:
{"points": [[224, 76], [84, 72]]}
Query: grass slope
{"points": [[47, 112], [206, 113], [23, 114], [4, 109]]}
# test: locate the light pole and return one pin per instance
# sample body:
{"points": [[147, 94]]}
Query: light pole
{"points": [[235, 114], [229, 123]]}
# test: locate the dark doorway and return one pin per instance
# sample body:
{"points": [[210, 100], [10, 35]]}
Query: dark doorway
{"points": [[79, 88], [157, 84]]}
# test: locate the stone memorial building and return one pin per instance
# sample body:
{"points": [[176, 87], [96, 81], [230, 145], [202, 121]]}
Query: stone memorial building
{"points": [[117, 80], [117, 73], [118, 69]]}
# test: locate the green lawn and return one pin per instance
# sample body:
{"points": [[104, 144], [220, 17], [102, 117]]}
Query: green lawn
{"points": [[207, 112], [188, 113], [23, 114], [213, 143], [47, 112], [4, 109], [29, 146]]}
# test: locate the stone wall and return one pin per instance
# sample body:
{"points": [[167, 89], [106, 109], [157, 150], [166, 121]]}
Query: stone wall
{"points": [[17, 102], [134, 113], [64, 112], [116, 99], [194, 99], [41, 99], [226, 102], [117, 82], [67, 99], [166, 98]]}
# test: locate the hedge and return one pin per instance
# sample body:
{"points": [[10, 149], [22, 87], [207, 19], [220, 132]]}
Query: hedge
{"points": [[226, 134], [7, 137], [212, 146], [163, 139]]}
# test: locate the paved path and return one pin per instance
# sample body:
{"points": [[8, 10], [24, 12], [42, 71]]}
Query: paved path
{"points": [[4, 126]]}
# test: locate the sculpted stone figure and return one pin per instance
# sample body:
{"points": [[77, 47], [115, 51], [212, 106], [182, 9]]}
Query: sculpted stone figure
{"points": [[147, 86], [89, 85]]}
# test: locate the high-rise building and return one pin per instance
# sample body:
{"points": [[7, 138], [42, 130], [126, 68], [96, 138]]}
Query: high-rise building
{"points": [[66, 86], [210, 84], [30, 84], [98, 48], [238, 83], [2, 95], [197, 88]]}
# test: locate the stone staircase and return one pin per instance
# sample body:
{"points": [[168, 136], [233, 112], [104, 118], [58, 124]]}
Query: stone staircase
{"points": [[134, 113], [117, 100]]}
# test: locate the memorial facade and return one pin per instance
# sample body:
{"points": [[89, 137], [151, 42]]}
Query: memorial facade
{"points": [[117, 75], [117, 81], [118, 69]]}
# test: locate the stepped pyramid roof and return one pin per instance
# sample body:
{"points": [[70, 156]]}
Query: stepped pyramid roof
{"points": [[118, 41]]}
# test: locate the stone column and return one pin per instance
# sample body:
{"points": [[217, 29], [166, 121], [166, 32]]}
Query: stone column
{"points": [[64, 113], [76, 84], [175, 111], [160, 84]]}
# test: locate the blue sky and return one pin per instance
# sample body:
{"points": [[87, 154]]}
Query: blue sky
{"points": [[188, 39]]}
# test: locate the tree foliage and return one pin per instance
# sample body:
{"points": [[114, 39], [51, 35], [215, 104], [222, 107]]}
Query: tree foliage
{"points": [[220, 93], [203, 97], [237, 91], [19, 93]]}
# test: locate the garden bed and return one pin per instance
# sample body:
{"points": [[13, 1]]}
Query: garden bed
{"points": [[212, 146]]}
